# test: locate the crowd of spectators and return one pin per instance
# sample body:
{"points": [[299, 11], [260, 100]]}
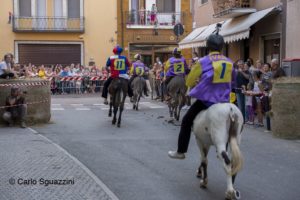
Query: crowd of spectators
{"points": [[254, 89], [73, 78]]}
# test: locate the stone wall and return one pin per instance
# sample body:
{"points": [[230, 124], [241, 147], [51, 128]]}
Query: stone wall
{"points": [[38, 98], [286, 108]]}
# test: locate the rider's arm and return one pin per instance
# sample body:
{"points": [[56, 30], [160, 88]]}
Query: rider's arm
{"points": [[194, 75], [186, 68], [131, 70], [108, 64], [167, 66]]}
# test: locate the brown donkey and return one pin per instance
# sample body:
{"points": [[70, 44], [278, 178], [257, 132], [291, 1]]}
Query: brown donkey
{"points": [[118, 91]]}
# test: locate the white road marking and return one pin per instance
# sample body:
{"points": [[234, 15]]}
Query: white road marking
{"points": [[56, 104], [81, 165], [155, 107], [82, 109], [55, 109], [76, 104], [99, 104]]}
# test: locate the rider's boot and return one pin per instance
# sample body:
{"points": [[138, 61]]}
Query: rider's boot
{"points": [[176, 155]]}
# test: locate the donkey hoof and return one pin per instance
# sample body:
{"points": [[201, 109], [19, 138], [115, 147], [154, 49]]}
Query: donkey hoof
{"points": [[203, 183], [119, 125], [133, 107], [109, 114], [113, 122], [233, 195]]}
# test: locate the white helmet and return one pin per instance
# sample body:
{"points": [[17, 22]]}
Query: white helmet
{"points": [[137, 57]]}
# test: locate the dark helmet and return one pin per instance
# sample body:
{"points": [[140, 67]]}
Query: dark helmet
{"points": [[176, 51], [117, 50], [215, 42]]}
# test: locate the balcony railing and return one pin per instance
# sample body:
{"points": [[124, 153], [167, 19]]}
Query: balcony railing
{"points": [[232, 8], [145, 19], [48, 24]]}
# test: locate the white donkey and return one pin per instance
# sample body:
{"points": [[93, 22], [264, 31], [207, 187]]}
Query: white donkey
{"points": [[220, 125]]}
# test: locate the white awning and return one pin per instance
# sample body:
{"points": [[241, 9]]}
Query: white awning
{"points": [[238, 28], [232, 30], [188, 40], [200, 41]]}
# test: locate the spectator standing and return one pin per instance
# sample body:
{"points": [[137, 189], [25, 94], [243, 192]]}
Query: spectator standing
{"points": [[153, 14], [259, 65], [142, 15], [249, 104], [242, 80], [42, 72], [257, 93], [157, 69], [64, 84], [267, 86], [277, 71]]}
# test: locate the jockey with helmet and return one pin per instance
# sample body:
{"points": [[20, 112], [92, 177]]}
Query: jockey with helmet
{"points": [[175, 66], [118, 66], [138, 68], [211, 78]]}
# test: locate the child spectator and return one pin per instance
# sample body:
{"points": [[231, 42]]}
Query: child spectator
{"points": [[257, 93], [249, 104]]}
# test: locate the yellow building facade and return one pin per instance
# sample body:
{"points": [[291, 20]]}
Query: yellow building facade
{"points": [[146, 27], [58, 31]]}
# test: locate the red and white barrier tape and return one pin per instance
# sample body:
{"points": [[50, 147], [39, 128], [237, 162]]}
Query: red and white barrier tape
{"points": [[30, 84], [29, 103]]}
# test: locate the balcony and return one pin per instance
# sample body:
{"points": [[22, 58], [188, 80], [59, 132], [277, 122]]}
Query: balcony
{"points": [[144, 20], [48, 24], [232, 8]]}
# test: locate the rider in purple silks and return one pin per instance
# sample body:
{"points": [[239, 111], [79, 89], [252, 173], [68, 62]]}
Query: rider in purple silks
{"points": [[211, 79], [138, 68]]}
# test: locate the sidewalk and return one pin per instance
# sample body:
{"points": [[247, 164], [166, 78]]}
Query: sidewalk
{"points": [[33, 168]]}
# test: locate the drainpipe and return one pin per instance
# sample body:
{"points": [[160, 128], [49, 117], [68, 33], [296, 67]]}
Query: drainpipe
{"points": [[122, 24], [283, 21]]}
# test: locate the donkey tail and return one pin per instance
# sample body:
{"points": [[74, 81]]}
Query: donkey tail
{"points": [[236, 155]]}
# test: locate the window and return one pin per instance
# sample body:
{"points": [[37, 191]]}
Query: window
{"points": [[73, 8], [200, 2], [167, 6], [25, 8]]}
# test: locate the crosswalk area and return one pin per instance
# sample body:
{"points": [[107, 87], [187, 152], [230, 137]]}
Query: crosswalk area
{"points": [[101, 106]]}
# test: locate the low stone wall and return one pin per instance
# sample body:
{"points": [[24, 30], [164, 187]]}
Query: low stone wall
{"points": [[286, 108], [37, 95]]}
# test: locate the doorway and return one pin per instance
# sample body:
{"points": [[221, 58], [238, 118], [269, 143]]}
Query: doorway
{"points": [[147, 59], [271, 49]]}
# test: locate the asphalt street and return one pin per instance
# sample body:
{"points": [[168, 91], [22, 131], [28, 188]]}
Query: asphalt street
{"points": [[132, 160]]}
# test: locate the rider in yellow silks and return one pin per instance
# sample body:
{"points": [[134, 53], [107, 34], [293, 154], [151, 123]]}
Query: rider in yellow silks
{"points": [[175, 66]]}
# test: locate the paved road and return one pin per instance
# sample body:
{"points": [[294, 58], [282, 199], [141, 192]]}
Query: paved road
{"points": [[133, 162], [33, 168]]}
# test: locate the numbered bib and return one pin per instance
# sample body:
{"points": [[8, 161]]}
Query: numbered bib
{"points": [[139, 70], [119, 64], [222, 71], [179, 68]]}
